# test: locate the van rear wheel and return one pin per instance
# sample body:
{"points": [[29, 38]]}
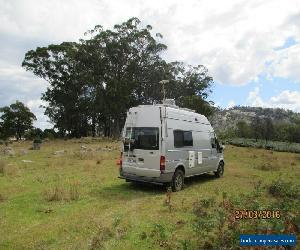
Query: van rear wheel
{"points": [[177, 180], [220, 171]]}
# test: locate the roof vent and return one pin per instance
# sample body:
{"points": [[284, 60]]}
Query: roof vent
{"points": [[169, 102]]}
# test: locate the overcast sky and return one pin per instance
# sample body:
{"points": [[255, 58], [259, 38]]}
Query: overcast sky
{"points": [[251, 48]]}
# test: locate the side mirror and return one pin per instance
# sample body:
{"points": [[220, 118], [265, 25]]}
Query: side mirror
{"points": [[220, 147]]}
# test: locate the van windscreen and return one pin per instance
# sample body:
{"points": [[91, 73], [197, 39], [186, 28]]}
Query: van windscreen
{"points": [[143, 137]]}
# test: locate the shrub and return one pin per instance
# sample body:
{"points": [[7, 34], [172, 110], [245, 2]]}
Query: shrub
{"points": [[280, 188], [186, 245], [98, 240], [160, 231], [37, 140], [271, 145], [116, 221], [216, 226]]}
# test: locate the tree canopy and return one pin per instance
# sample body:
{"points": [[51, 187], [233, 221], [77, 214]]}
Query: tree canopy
{"points": [[93, 82], [15, 120]]}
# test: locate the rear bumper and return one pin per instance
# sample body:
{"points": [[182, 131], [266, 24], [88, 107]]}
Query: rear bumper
{"points": [[163, 178]]}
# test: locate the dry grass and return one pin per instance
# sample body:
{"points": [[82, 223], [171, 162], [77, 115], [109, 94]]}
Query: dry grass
{"points": [[267, 166], [99, 160], [54, 193], [74, 190], [85, 155], [58, 192], [8, 169], [83, 192], [13, 170]]}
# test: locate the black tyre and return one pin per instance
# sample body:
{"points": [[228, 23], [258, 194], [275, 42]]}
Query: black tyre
{"points": [[220, 171], [178, 180]]}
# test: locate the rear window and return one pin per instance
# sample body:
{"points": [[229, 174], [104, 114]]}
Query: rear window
{"points": [[182, 138], [143, 137]]}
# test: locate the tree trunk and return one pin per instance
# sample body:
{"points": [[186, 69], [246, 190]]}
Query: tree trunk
{"points": [[116, 131], [93, 127]]}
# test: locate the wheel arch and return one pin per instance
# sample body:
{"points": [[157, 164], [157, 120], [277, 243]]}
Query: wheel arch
{"points": [[180, 167], [222, 161]]}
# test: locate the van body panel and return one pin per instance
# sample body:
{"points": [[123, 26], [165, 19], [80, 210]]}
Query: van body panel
{"points": [[182, 136], [143, 161], [143, 172]]}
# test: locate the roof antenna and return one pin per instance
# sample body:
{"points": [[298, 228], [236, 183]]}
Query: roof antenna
{"points": [[163, 82]]}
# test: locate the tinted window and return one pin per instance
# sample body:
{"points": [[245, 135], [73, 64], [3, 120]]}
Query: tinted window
{"points": [[143, 138], [182, 138], [178, 138], [188, 138]]}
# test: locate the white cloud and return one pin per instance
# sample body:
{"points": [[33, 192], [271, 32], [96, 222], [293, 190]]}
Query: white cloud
{"points": [[231, 104], [35, 104], [234, 40], [17, 84], [35, 107], [254, 98], [287, 63], [13, 72], [286, 99]]}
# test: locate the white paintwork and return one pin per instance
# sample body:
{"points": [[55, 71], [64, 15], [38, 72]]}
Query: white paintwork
{"points": [[197, 159]]}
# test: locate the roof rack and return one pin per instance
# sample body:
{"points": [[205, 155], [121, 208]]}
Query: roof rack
{"points": [[171, 103]]}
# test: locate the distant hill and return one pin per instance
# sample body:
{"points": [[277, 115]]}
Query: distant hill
{"points": [[228, 118]]}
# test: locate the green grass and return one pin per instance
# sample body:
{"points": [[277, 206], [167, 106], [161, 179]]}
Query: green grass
{"points": [[94, 209]]}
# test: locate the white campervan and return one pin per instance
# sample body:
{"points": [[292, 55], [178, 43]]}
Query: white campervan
{"points": [[163, 144]]}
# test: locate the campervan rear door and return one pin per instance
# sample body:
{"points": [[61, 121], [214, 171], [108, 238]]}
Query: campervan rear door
{"points": [[144, 158], [147, 162]]}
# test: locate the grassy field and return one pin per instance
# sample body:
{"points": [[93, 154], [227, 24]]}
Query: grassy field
{"points": [[74, 200]]}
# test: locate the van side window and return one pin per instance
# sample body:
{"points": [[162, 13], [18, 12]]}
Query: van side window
{"points": [[182, 138], [187, 138]]}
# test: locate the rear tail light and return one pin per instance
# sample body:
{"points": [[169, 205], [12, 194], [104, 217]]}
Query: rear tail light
{"points": [[119, 162], [162, 163]]}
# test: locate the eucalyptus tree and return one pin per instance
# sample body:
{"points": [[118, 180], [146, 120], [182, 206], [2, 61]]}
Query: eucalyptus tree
{"points": [[94, 82]]}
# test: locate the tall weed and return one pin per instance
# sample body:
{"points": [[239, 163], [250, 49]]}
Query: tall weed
{"points": [[2, 167]]}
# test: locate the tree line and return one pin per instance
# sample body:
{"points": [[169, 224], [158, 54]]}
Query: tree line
{"points": [[265, 129], [93, 82], [16, 120]]}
